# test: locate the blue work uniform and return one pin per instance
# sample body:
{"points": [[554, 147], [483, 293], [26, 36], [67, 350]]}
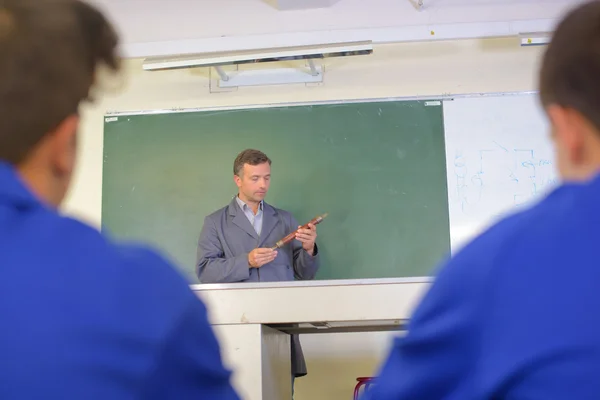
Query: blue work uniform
{"points": [[81, 318], [512, 316]]}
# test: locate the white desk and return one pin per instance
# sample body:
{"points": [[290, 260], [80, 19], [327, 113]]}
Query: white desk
{"points": [[252, 321]]}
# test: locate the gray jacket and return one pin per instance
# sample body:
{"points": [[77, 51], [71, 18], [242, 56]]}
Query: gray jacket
{"points": [[225, 241]]}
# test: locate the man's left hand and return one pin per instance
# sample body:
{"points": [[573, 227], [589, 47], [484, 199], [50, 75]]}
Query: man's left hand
{"points": [[307, 237]]}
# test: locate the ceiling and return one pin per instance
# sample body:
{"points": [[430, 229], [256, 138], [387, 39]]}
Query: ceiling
{"points": [[166, 27]]}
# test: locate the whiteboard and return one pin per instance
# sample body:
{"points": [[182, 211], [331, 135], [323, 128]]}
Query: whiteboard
{"points": [[499, 158]]}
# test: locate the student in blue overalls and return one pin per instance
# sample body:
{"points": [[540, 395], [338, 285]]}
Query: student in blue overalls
{"points": [[515, 314], [82, 318]]}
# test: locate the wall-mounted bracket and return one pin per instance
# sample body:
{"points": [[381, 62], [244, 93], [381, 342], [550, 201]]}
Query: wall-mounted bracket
{"points": [[222, 74], [310, 74], [418, 4]]}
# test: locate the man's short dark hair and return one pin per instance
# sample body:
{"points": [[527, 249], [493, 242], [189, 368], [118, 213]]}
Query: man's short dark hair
{"points": [[49, 53], [570, 73], [250, 157]]}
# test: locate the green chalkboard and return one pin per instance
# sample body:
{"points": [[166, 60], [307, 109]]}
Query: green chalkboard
{"points": [[377, 168]]}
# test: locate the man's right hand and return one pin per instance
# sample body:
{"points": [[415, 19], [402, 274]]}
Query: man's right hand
{"points": [[261, 256]]}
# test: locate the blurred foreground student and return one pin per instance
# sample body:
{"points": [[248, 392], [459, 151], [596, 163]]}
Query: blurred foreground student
{"points": [[515, 314], [80, 317]]}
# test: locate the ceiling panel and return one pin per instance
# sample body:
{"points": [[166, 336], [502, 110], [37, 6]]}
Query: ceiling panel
{"points": [[149, 21]]}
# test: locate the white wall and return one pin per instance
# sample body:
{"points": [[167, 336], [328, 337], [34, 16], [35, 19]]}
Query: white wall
{"points": [[426, 69]]}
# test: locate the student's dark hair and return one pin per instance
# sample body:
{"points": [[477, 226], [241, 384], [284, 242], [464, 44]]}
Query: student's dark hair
{"points": [[250, 157], [49, 54], [570, 73]]}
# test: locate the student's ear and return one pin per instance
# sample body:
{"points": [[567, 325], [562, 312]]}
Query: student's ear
{"points": [[568, 128], [64, 145]]}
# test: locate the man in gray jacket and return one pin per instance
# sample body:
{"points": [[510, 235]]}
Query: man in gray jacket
{"points": [[235, 241]]}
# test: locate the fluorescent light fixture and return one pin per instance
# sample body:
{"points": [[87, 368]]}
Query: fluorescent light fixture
{"points": [[259, 55], [535, 38]]}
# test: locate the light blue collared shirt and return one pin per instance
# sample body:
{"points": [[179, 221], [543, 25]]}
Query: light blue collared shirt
{"points": [[255, 220]]}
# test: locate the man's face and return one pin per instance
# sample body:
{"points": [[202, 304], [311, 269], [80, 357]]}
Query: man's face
{"points": [[254, 181]]}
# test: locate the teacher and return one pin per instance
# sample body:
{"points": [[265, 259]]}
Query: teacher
{"points": [[235, 241]]}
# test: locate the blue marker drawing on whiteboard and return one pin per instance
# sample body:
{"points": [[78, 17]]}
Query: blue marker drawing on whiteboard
{"points": [[500, 171], [468, 190]]}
